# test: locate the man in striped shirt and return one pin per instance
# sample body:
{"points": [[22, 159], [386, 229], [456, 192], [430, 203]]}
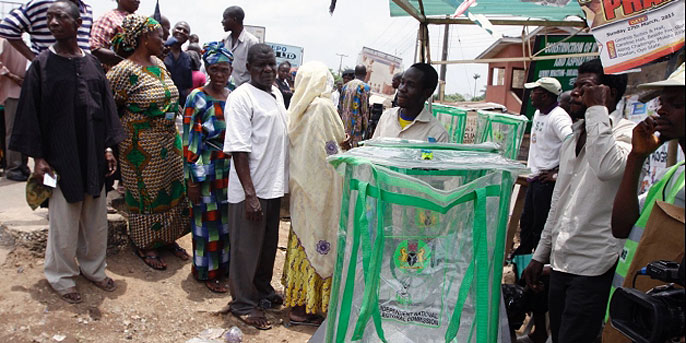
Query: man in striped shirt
{"points": [[31, 17]]}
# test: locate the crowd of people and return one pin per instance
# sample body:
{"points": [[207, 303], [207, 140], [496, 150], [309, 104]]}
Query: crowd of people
{"points": [[100, 101]]}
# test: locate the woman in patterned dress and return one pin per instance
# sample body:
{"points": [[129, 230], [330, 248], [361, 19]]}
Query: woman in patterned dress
{"points": [[151, 158], [315, 131], [207, 169]]}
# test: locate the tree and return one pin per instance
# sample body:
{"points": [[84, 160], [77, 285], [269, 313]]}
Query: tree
{"points": [[455, 97], [476, 77], [481, 96]]}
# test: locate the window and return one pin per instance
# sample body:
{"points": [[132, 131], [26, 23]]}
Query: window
{"points": [[498, 76]]}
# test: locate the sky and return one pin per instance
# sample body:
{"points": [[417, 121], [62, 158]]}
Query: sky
{"points": [[354, 24]]}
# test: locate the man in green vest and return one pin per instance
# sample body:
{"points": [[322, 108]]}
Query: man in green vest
{"points": [[650, 134]]}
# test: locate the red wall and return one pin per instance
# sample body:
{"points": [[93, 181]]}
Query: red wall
{"points": [[502, 94]]}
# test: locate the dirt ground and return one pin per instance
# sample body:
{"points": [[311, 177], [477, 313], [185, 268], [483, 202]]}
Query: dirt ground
{"points": [[149, 306]]}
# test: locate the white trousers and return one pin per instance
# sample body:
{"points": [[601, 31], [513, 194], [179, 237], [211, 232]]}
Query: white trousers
{"points": [[78, 231]]}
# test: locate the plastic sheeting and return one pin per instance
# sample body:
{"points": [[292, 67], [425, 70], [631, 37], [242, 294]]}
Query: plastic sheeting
{"points": [[421, 243], [454, 120], [505, 130]]}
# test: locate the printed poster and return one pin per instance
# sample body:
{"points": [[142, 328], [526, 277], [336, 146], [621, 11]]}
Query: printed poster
{"points": [[634, 32], [380, 69]]}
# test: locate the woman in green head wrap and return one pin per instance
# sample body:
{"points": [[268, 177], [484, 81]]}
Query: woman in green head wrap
{"points": [[207, 169], [151, 156]]}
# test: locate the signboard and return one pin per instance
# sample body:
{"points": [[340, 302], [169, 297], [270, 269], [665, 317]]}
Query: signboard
{"points": [[258, 31], [380, 69], [292, 54], [632, 32], [564, 70]]}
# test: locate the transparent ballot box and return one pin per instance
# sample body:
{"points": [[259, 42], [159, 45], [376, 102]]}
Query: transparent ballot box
{"points": [[506, 130], [421, 242], [454, 120]]}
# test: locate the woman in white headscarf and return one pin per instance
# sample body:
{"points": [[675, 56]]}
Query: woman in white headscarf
{"points": [[315, 132]]}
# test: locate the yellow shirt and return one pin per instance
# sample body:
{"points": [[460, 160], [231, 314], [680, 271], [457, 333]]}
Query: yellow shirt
{"points": [[403, 122]]}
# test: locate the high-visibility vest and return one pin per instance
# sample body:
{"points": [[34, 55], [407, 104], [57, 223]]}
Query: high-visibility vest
{"points": [[656, 192]]}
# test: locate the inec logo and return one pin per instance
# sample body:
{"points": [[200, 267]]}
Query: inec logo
{"points": [[411, 256]]}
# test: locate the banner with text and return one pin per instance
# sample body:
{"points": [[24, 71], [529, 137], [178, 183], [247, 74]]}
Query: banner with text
{"points": [[288, 53], [633, 32], [563, 69]]}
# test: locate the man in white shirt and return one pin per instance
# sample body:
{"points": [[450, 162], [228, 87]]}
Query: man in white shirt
{"points": [[239, 42], [411, 120], [577, 239], [256, 138], [551, 125]]}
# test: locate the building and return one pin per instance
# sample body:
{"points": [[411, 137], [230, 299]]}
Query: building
{"points": [[505, 83]]}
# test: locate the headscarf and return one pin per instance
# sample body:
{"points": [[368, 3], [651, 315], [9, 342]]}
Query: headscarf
{"points": [[312, 80], [133, 26], [315, 129], [215, 52]]}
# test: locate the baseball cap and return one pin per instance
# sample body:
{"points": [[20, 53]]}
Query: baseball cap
{"points": [[676, 79], [548, 83]]}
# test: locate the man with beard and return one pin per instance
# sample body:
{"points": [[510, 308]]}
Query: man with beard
{"points": [[257, 140], [577, 239], [238, 42]]}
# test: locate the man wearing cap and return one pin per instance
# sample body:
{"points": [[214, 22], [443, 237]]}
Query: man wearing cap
{"points": [[577, 238], [649, 135], [551, 125]]}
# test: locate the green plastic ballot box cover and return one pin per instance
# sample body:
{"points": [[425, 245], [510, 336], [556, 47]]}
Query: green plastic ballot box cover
{"points": [[454, 120], [421, 242], [506, 130]]}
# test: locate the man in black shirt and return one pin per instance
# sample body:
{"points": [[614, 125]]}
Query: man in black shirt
{"points": [[67, 121], [178, 62], [282, 81]]}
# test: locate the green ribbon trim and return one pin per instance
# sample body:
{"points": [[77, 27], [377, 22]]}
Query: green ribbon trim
{"points": [[360, 216], [340, 256]]}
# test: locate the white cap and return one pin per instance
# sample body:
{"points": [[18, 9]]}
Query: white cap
{"points": [[674, 80], [548, 83]]}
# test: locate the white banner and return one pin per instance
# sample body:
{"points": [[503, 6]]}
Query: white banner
{"points": [[638, 39]]}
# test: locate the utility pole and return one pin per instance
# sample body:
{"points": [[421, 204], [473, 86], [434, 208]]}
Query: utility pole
{"points": [[340, 64]]}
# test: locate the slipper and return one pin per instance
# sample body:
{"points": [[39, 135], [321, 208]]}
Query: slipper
{"points": [[147, 258], [215, 286], [249, 319], [178, 251], [71, 296], [107, 284]]}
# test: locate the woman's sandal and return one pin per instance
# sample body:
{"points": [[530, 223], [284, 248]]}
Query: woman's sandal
{"points": [[312, 320], [178, 251], [253, 320], [215, 286], [148, 259]]}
